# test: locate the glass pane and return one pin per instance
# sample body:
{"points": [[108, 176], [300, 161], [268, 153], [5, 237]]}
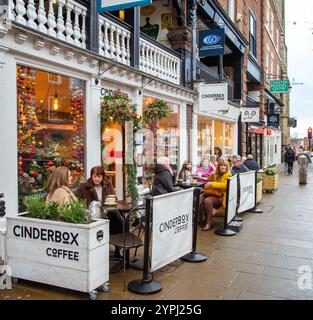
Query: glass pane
{"points": [[164, 136], [205, 137], [50, 125], [218, 137], [229, 140]]}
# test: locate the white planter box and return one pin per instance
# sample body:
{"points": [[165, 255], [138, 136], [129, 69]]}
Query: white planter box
{"points": [[73, 256]]}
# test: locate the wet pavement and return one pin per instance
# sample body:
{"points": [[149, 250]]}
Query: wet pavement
{"points": [[261, 262]]}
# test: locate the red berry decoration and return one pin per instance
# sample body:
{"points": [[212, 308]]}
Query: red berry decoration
{"points": [[35, 174]]}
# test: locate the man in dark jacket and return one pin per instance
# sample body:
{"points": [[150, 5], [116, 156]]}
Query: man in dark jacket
{"points": [[163, 179], [289, 159], [237, 166], [251, 164]]}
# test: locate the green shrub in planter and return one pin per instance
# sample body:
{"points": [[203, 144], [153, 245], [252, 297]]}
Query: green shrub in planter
{"points": [[271, 170], [37, 207], [72, 212]]}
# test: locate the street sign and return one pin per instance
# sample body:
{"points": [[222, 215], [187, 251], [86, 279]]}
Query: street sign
{"points": [[292, 122], [250, 115], [112, 5], [211, 42], [273, 120], [279, 86]]}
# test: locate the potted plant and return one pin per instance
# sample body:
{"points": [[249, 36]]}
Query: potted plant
{"points": [[270, 178], [59, 245]]}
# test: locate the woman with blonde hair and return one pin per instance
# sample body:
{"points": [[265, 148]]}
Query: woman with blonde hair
{"points": [[58, 186], [214, 195]]}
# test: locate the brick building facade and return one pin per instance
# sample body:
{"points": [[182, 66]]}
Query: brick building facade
{"points": [[262, 24]]}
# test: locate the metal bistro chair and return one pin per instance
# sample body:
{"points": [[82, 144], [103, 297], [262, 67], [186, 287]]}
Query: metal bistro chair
{"points": [[131, 236]]}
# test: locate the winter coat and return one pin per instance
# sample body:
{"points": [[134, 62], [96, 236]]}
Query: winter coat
{"points": [[290, 156], [252, 165], [184, 174], [242, 168], [163, 181], [221, 184], [61, 195], [87, 191], [205, 172]]}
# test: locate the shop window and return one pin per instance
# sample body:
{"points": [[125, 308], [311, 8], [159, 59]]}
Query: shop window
{"points": [[205, 137], [229, 140], [50, 126], [161, 140], [218, 138]]}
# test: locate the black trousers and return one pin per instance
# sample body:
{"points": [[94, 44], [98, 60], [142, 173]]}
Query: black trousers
{"points": [[290, 167]]}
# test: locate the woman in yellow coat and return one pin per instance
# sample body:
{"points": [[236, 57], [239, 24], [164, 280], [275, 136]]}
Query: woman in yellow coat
{"points": [[214, 195]]}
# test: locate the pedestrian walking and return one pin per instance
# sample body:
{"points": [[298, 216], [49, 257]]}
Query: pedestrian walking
{"points": [[285, 163], [290, 158]]}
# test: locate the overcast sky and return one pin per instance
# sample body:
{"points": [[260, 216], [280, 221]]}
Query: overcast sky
{"points": [[299, 39]]}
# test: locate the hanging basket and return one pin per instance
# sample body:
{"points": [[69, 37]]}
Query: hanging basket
{"points": [[117, 107], [155, 112]]}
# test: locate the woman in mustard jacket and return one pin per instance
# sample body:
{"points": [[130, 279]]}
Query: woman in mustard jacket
{"points": [[214, 195]]}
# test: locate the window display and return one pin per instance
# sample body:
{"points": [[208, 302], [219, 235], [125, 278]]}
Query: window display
{"points": [[50, 126], [215, 137], [164, 136], [205, 137], [229, 140]]}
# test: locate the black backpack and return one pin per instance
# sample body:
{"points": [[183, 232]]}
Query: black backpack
{"points": [[289, 155]]}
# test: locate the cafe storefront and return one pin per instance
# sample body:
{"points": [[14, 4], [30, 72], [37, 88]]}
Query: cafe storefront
{"points": [[215, 123]]}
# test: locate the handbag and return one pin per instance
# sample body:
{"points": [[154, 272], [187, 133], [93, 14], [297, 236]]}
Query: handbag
{"points": [[210, 191]]}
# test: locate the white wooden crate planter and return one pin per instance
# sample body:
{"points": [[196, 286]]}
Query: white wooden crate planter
{"points": [[72, 256]]}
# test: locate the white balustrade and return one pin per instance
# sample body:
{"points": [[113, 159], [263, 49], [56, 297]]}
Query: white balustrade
{"points": [[159, 62], [114, 41], [42, 17], [61, 19]]}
